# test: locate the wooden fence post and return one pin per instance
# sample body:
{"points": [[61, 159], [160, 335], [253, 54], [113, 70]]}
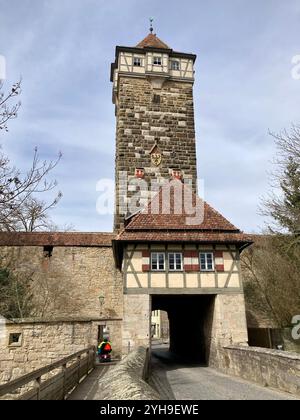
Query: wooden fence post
{"points": [[94, 357], [79, 364], [37, 384], [64, 368], [88, 363]]}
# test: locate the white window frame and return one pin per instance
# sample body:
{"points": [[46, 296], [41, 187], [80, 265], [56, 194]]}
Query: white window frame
{"points": [[177, 65], [137, 60], [206, 261], [157, 257], [181, 261], [157, 61]]}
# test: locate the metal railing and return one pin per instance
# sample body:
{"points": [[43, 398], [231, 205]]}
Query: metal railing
{"points": [[72, 370]]}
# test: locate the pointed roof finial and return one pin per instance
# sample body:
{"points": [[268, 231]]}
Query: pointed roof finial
{"points": [[151, 25]]}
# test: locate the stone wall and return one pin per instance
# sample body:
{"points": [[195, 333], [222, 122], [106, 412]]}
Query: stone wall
{"points": [[44, 342], [225, 324], [70, 281], [143, 123], [136, 322], [165, 328], [126, 381], [272, 368]]}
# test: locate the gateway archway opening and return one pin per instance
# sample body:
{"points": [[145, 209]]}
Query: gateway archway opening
{"points": [[190, 322], [160, 326]]}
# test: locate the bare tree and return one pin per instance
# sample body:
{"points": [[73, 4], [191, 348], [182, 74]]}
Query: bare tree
{"points": [[283, 201], [20, 209], [25, 293], [9, 111], [272, 266], [20, 205], [272, 281], [288, 143], [22, 292], [16, 297]]}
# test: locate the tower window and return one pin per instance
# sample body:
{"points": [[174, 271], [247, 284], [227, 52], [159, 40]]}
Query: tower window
{"points": [[137, 62], [48, 250], [157, 61], [175, 65], [156, 99]]}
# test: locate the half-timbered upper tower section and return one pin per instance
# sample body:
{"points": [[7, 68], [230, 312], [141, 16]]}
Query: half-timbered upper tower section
{"points": [[153, 59], [155, 135]]}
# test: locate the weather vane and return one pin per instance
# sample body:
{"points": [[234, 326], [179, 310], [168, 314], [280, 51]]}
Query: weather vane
{"points": [[151, 24]]}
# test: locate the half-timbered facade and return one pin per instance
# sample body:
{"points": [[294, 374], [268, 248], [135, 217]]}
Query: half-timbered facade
{"points": [[163, 254]]}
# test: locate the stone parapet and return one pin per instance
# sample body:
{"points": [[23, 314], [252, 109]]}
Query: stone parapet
{"points": [[126, 381], [269, 368]]}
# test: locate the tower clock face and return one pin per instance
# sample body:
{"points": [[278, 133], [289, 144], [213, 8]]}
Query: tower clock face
{"points": [[156, 159]]}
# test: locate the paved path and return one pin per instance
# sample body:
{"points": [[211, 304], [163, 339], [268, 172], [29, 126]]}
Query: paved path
{"points": [[182, 382], [87, 390], [175, 381]]}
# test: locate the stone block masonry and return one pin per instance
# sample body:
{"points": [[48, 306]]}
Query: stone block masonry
{"points": [[225, 324], [43, 342], [142, 123], [69, 282], [136, 323], [126, 381], [66, 283], [269, 368]]}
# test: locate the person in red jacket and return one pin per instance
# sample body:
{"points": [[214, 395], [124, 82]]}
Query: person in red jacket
{"points": [[104, 350]]}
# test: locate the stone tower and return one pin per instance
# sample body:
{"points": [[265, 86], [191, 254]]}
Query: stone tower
{"points": [[155, 136]]}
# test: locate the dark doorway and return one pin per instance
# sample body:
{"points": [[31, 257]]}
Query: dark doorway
{"points": [[100, 333], [190, 322]]}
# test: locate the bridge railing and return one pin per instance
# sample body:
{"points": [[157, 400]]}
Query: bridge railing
{"points": [[61, 378]]}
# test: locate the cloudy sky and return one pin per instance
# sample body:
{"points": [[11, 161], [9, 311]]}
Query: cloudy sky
{"points": [[244, 87]]}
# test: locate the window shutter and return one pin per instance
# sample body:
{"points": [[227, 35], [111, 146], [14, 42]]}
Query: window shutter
{"points": [[146, 261], [219, 261], [191, 261]]}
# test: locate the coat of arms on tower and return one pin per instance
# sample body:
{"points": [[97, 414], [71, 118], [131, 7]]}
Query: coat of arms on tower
{"points": [[156, 156]]}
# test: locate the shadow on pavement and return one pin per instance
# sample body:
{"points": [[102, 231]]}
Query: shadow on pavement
{"points": [[162, 362], [170, 359]]}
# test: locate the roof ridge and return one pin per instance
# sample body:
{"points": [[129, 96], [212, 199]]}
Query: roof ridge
{"points": [[54, 233]]}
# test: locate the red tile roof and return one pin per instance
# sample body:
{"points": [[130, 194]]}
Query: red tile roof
{"points": [[56, 239], [153, 41], [177, 222], [180, 209]]}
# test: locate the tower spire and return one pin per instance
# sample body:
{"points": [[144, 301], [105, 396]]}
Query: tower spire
{"points": [[151, 25]]}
